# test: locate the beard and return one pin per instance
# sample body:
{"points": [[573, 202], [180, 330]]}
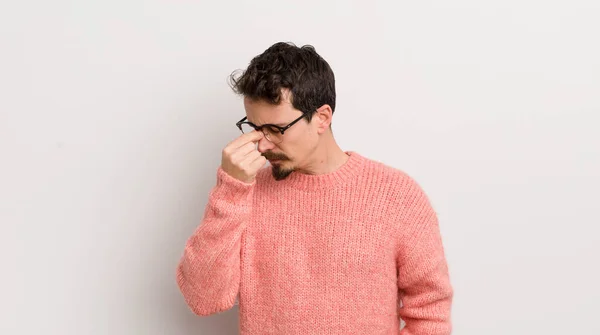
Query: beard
{"points": [[279, 172]]}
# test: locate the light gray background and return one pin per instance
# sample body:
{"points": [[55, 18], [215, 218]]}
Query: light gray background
{"points": [[114, 114]]}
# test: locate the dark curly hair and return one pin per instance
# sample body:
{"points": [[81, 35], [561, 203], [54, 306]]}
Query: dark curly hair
{"points": [[285, 66]]}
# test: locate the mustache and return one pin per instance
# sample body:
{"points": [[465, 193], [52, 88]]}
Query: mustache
{"points": [[271, 156]]}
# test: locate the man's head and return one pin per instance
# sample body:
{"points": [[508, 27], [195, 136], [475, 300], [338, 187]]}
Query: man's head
{"points": [[280, 85]]}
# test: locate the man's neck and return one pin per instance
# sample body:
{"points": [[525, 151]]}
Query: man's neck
{"points": [[326, 159]]}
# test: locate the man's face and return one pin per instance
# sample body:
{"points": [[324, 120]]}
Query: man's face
{"points": [[297, 141]]}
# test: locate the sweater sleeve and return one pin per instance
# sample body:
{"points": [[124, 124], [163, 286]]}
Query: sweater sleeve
{"points": [[208, 273], [424, 287]]}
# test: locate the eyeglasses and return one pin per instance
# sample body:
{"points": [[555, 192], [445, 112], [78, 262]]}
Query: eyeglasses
{"points": [[273, 133]]}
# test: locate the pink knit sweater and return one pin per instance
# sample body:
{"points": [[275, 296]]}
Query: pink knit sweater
{"points": [[347, 252]]}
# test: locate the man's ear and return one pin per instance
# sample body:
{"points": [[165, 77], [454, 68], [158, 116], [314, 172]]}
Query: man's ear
{"points": [[324, 117]]}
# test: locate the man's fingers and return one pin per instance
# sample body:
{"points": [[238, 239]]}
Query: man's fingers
{"points": [[252, 156], [253, 136], [259, 162], [247, 148], [241, 159]]}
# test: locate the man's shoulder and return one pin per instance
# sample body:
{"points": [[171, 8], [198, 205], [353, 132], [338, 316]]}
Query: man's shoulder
{"points": [[386, 173], [399, 188]]}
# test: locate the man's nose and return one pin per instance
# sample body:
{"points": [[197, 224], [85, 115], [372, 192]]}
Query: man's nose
{"points": [[264, 145]]}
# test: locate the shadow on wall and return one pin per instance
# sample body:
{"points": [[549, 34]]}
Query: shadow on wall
{"points": [[207, 131]]}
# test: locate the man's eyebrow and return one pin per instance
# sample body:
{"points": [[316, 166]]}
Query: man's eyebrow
{"points": [[281, 124]]}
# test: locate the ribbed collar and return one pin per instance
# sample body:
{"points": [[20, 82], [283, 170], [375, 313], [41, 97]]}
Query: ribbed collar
{"points": [[308, 182]]}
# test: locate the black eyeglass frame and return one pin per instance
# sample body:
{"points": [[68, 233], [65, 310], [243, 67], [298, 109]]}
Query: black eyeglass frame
{"points": [[259, 128]]}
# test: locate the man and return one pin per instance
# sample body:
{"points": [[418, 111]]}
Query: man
{"points": [[324, 241]]}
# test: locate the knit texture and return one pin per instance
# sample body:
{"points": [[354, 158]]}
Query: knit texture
{"points": [[352, 251]]}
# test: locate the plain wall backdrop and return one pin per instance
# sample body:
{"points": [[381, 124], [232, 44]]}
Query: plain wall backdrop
{"points": [[113, 115]]}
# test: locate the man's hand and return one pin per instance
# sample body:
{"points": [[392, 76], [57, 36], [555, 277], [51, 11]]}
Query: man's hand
{"points": [[240, 159]]}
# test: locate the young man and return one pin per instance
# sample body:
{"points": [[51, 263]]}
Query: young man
{"points": [[322, 241]]}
